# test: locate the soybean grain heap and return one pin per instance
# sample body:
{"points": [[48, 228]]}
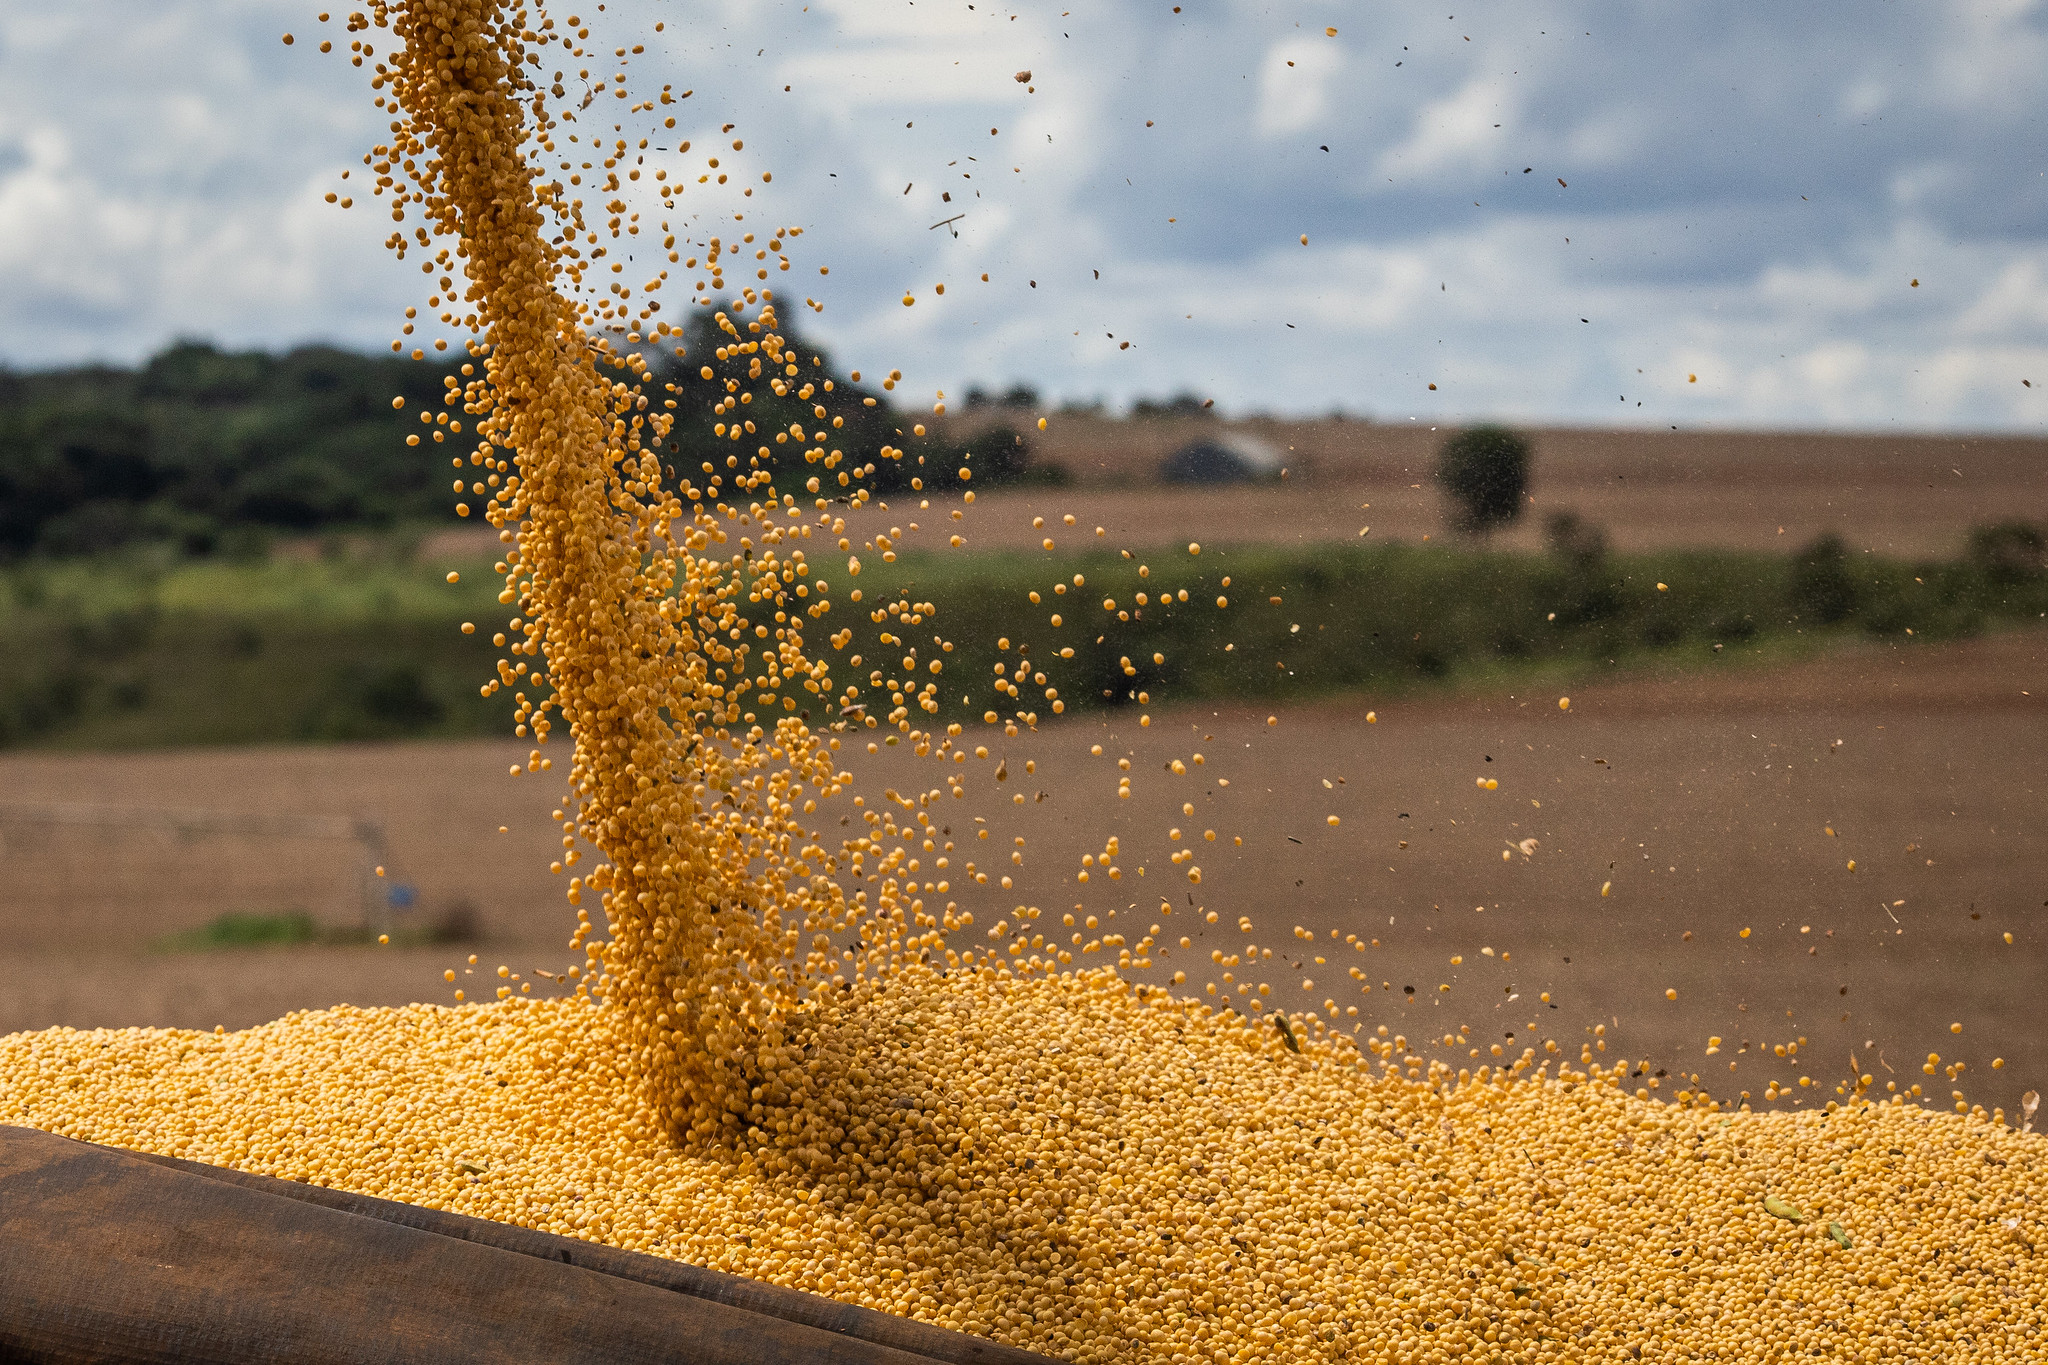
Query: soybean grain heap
{"points": [[761, 1073]]}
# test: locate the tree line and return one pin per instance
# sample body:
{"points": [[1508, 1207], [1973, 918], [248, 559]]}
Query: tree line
{"points": [[210, 451]]}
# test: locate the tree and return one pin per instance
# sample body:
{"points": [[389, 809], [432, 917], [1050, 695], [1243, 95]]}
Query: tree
{"points": [[1823, 586], [1180, 405], [852, 453], [1485, 470], [2010, 553], [201, 442], [1575, 540]]}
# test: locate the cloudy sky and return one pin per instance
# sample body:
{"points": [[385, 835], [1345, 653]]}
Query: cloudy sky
{"points": [[1551, 211]]}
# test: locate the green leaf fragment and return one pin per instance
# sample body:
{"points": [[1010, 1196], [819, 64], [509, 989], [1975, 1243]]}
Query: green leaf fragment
{"points": [[1840, 1234], [1286, 1033], [1780, 1209]]}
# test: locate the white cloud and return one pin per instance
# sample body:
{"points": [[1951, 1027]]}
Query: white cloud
{"points": [[1612, 138], [1864, 99], [1294, 84], [2011, 304], [1988, 56], [162, 168], [1460, 132]]}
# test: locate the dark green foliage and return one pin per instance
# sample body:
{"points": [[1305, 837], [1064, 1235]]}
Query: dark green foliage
{"points": [[1390, 619], [1576, 541], [200, 448], [2011, 552], [1485, 470], [215, 452], [1823, 588], [1180, 405], [1022, 396], [374, 699], [695, 451], [1586, 589]]}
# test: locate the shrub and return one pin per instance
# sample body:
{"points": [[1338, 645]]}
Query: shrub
{"points": [[2009, 553], [1485, 470], [1823, 589], [126, 655], [1576, 541]]}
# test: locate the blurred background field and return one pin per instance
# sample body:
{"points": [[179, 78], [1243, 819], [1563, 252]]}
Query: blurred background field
{"points": [[161, 587], [1786, 652], [234, 683], [1713, 799]]}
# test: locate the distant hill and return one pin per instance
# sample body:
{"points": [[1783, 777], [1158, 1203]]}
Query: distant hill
{"points": [[211, 451]]}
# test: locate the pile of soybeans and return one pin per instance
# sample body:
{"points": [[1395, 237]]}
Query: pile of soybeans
{"points": [[776, 1062], [1102, 1174]]}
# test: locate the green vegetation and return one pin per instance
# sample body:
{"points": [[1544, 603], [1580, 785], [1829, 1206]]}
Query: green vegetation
{"points": [[291, 928], [1485, 470], [212, 452], [873, 436], [209, 452], [249, 930], [133, 652], [1399, 618]]}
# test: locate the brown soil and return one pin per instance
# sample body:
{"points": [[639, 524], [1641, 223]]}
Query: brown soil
{"points": [[1096, 450], [176, 839], [1900, 523], [1910, 497], [1705, 799]]}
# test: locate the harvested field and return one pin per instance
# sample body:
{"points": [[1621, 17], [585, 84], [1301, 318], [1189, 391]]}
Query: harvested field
{"points": [[81, 904], [1908, 523], [1905, 496], [1650, 491], [1899, 495], [1709, 814]]}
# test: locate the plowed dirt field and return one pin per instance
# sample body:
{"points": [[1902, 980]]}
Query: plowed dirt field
{"points": [[1712, 803]]}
